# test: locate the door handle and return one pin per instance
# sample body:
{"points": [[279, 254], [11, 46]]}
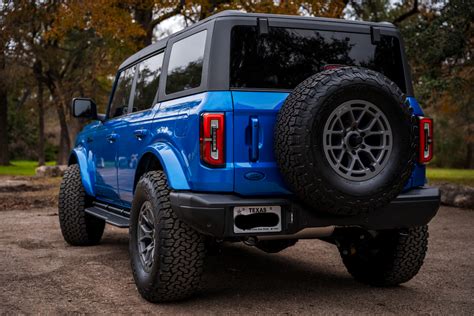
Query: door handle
{"points": [[112, 137], [140, 133], [254, 142]]}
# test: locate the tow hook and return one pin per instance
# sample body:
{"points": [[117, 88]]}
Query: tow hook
{"points": [[251, 241]]}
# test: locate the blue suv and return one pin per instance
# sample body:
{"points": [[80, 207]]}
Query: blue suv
{"points": [[258, 128]]}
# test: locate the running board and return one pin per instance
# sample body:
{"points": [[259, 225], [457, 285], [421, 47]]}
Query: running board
{"points": [[112, 215]]}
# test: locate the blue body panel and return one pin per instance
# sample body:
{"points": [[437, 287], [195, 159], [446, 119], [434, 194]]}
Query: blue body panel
{"points": [[262, 107], [415, 106], [169, 159], [104, 153], [170, 132], [418, 177], [177, 124], [87, 167]]}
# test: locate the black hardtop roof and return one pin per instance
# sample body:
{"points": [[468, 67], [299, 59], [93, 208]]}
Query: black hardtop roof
{"points": [[233, 13]]}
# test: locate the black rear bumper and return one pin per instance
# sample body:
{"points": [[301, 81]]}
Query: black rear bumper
{"points": [[212, 214]]}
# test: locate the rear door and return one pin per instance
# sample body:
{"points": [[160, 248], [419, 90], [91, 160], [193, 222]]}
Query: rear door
{"points": [[136, 133], [256, 171], [266, 64]]}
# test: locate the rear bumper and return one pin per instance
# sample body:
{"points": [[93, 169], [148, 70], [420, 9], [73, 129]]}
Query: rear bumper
{"points": [[212, 214]]}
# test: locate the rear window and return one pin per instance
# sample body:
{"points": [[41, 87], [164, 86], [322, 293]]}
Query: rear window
{"points": [[185, 65], [285, 57]]}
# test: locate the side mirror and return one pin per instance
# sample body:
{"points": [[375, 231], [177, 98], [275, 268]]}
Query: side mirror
{"points": [[84, 107]]}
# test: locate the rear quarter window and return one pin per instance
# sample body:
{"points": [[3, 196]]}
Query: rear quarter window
{"points": [[285, 57], [185, 64]]}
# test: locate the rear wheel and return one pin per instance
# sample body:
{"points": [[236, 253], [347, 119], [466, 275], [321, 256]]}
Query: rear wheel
{"points": [[166, 254], [78, 227], [383, 258]]}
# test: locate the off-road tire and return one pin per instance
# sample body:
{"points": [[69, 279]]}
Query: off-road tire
{"points": [[78, 227], [179, 250], [299, 149], [275, 246], [395, 258]]}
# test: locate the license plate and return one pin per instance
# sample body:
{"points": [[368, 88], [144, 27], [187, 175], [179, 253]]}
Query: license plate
{"points": [[257, 219]]}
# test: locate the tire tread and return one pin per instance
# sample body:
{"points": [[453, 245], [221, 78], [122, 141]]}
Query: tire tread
{"points": [[292, 142], [181, 249], [78, 228]]}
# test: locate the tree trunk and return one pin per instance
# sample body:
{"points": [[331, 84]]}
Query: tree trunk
{"points": [[65, 143], [4, 153], [41, 153], [144, 16], [469, 160]]}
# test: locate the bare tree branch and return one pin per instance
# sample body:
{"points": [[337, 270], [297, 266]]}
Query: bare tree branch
{"points": [[166, 16], [412, 11]]}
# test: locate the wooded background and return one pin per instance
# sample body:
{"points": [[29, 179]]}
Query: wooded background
{"points": [[52, 51]]}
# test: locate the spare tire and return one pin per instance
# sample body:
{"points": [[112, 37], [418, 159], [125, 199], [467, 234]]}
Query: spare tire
{"points": [[345, 141]]}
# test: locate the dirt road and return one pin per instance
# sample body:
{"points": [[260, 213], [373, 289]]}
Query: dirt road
{"points": [[40, 273]]}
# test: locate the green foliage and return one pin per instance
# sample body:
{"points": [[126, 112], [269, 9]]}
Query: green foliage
{"points": [[439, 47], [439, 43], [23, 132], [22, 168]]}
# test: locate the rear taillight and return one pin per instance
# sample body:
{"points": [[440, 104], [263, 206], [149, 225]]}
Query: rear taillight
{"points": [[426, 140], [212, 139]]}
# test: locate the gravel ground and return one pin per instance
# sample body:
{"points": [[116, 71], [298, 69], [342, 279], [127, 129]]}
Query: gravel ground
{"points": [[40, 273]]}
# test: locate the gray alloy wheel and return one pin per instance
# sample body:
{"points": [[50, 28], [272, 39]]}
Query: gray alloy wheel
{"points": [[357, 140], [146, 235]]}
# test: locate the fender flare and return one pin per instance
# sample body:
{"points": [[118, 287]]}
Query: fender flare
{"points": [[86, 165], [170, 163]]}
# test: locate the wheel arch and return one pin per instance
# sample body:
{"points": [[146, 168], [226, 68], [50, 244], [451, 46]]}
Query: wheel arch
{"points": [[79, 156], [162, 156]]}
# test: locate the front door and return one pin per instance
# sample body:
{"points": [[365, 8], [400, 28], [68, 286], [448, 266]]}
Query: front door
{"points": [[104, 143], [106, 140]]}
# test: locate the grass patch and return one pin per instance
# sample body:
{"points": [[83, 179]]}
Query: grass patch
{"points": [[22, 168], [459, 176]]}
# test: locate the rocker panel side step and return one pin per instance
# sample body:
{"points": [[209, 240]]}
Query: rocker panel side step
{"points": [[112, 215]]}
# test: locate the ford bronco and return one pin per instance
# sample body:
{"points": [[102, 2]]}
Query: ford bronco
{"points": [[258, 128]]}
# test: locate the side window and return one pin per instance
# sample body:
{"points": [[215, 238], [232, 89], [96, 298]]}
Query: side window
{"points": [[149, 72], [185, 65], [119, 105]]}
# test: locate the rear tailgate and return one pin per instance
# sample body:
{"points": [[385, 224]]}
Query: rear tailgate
{"points": [[256, 171]]}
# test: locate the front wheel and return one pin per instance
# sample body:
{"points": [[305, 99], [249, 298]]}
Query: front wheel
{"points": [[78, 227], [383, 258], [166, 254]]}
